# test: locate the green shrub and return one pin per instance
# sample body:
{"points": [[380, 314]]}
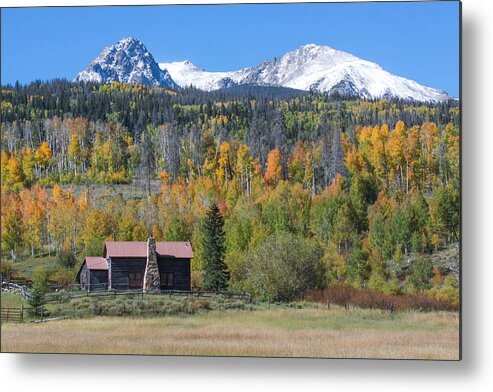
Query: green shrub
{"points": [[285, 266], [66, 258], [63, 277], [199, 305], [421, 273], [96, 308]]}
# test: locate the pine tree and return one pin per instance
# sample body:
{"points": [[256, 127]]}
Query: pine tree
{"points": [[216, 275], [36, 300]]}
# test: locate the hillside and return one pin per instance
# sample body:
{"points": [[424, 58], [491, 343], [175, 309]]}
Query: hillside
{"points": [[360, 186]]}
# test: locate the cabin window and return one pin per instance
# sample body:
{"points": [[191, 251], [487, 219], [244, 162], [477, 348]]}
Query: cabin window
{"points": [[135, 279], [168, 280]]}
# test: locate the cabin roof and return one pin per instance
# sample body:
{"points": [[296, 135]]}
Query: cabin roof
{"points": [[179, 250], [96, 263]]}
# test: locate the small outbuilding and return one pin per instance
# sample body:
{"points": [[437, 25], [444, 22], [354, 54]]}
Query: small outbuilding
{"points": [[93, 274]]}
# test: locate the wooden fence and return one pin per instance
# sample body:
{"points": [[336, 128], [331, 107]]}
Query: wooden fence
{"points": [[67, 296], [12, 315]]}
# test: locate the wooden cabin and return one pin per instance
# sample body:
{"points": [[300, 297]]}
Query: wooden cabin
{"points": [[150, 266]]}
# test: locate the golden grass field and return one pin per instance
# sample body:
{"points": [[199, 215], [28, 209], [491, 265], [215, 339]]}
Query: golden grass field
{"points": [[279, 332]]}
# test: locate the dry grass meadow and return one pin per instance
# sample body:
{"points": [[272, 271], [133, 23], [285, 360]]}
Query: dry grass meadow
{"points": [[279, 332]]}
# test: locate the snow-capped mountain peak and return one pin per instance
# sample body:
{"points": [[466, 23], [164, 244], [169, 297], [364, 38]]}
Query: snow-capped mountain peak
{"points": [[311, 67], [127, 61]]}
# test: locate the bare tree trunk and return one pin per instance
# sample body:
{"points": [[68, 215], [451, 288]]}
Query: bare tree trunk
{"points": [[407, 176]]}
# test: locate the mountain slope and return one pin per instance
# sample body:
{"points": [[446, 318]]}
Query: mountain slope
{"points": [[128, 61], [311, 67], [188, 74]]}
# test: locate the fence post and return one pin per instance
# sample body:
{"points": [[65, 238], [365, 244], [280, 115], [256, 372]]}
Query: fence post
{"points": [[22, 313]]}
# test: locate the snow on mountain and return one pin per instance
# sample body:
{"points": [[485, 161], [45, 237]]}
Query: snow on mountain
{"points": [[128, 61], [187, 74], [311, 67]]}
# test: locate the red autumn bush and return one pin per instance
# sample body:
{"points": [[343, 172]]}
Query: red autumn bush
{"points": [[344, 295]]}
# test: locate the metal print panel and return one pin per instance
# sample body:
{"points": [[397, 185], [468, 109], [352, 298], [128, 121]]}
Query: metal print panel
{"points": [[278, 180]]}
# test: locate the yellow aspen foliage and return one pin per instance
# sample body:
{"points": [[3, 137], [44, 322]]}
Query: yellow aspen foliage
{"points": [[156, 232], [140, 232], [15, 172], [296, 162], [98, 225], [57, 193], [346, 144], [379, 158], [34, 212], [377, 276], [43, 155], [397, 158], [335, 264], [224, 164], [191, 172], [179, 194], [273, 167], [244, 168], [13, 226], [452, 148], [429, 140], [437, 279], [257, 167], [4, 161], [355, 162], [364, 141], [28, 162], [337, 185], [74, 151], [84, 201], [209, 167], [412, 153], [244, 160]]}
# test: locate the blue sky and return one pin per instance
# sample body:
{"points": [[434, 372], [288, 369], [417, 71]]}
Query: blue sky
{"points": [[419, 41]]}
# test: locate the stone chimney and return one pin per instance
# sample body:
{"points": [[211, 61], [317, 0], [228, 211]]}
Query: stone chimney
{"points": [[152, 283]]}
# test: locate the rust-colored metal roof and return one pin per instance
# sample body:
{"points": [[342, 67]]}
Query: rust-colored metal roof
{"points": [[179, 250], [96, 263]]}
